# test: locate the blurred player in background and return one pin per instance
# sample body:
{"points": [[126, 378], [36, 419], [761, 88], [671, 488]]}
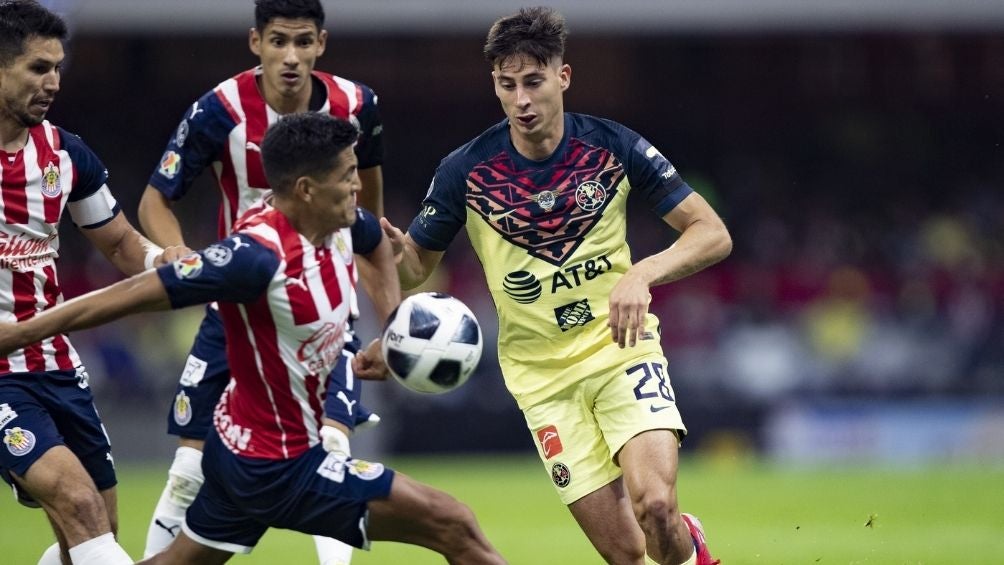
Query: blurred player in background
{"points": [[55, 451], [284, 287], [543, 196], [223, 131]]}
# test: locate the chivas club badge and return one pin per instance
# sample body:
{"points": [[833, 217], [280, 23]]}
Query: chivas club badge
{"points": [[182, 409], [50, 181]]}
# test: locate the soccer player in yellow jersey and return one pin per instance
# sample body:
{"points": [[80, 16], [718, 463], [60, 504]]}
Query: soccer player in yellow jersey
{"points": [[543, 197]]}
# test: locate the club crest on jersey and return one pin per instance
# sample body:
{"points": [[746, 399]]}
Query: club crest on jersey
{"points": [[574, 314], [50, 181], [550, 442], [561, 475], [6, 415], [343, 248], [188, 267], [19, 441], [522, 286], [182, 409], [590, 195], [365, 470], [170, 164]]}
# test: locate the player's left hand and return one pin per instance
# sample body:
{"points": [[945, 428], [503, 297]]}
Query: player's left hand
{"points": [[629, 300], [368, 364]]}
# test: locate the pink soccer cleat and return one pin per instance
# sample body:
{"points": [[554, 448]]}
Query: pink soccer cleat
{"points": [[697, 532]]}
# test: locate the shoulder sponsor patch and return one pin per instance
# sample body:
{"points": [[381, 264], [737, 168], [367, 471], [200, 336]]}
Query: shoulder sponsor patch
{"points": [[170, 164], [19, 441], [188, 267], [218, 255]]}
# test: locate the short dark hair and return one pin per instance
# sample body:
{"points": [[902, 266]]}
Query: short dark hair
{"points": [[21, 20], [267, 10], [305, 144], [538, 33]]}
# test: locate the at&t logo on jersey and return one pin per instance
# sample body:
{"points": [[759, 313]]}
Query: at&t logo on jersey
{"points": [[19, 441], [524, 287], [574, 314]]}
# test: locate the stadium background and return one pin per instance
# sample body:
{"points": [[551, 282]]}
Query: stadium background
{"points": [[853, 148]]}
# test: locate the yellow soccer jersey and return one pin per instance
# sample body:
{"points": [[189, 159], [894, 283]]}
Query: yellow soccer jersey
{"points": [[551, 236]]}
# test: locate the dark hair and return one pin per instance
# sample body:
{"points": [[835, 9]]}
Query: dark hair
{"points": [[267, 10], [538, 33], [21, 20], [305, 144]]}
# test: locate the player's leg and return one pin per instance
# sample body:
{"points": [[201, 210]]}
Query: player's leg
{"points": [[649, 461], [577, 459], [642, 426], [418, 514], [202, 381], [186, 551], [57, 553], [58, 457], [605, 516]]}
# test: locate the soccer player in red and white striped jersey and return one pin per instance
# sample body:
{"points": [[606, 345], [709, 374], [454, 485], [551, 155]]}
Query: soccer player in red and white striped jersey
{"points": [[222, 131], [55, 451], [283, 284]]}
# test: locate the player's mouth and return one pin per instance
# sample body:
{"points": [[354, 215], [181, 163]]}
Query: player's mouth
{"points": [[42, 104], [291, 78], [526, 119]]}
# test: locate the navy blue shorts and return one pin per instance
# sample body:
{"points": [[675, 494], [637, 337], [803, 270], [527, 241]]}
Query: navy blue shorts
{"points": [[207, 373], [39, 411], [314, 493]]}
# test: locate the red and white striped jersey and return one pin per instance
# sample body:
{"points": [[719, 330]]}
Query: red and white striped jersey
{"points": [[54, 170], [224, 128], [285, 304]]}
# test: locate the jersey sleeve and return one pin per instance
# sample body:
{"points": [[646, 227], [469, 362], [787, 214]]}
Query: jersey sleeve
{"points": [[443, 209], [195, 144], [654, 176], [369, 148], [90, 203], [236, 269], [366, 232]]}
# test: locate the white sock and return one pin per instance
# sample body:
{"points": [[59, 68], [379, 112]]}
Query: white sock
{"points": [[183, 481], [51, 556], [332, 552], [102, 550]]}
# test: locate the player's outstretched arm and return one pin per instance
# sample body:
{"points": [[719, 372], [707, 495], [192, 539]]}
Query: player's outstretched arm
{"points": [[127, 249], [158, 220], [140, 293], [378, 273], [414, 262], [704, 240]]}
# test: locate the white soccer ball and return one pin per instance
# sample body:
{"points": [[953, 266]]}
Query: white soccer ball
{"points": [[432, 342]]}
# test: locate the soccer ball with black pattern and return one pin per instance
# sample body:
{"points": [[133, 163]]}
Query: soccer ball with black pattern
{"points": [[432, 342]]}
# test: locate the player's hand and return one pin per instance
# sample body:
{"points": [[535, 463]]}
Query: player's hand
{"points": [[171, 254], [368, 364], [629, 300], [395, 237]]}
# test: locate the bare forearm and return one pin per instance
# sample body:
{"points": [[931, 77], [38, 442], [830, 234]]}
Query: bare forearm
{"points": [[141, 293], [701, 245], [158, 220], [380, 279]]}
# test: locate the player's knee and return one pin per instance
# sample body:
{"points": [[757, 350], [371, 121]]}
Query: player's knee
{"points": [[81, 506], [456, 521], [656, 509]]}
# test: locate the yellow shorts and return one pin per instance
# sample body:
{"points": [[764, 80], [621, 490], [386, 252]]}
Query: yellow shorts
{"points": [[580, 430]]}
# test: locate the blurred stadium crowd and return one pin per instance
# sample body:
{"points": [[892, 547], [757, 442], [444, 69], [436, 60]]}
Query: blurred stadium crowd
{"points": [[860, 174]]}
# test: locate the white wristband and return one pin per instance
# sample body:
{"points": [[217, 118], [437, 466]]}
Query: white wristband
{"points": [[335, 441], [151, 256]]}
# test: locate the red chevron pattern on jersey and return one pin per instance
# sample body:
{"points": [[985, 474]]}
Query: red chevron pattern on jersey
{"points": [[547, 212]]}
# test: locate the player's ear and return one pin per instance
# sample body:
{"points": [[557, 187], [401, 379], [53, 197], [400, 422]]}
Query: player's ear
{"points": [[565, 76], [254, 41], [322, 42], [303, 188]]}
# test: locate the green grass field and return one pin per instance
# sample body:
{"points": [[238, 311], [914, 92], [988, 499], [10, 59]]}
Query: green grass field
{"points": [[754, 513]]}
